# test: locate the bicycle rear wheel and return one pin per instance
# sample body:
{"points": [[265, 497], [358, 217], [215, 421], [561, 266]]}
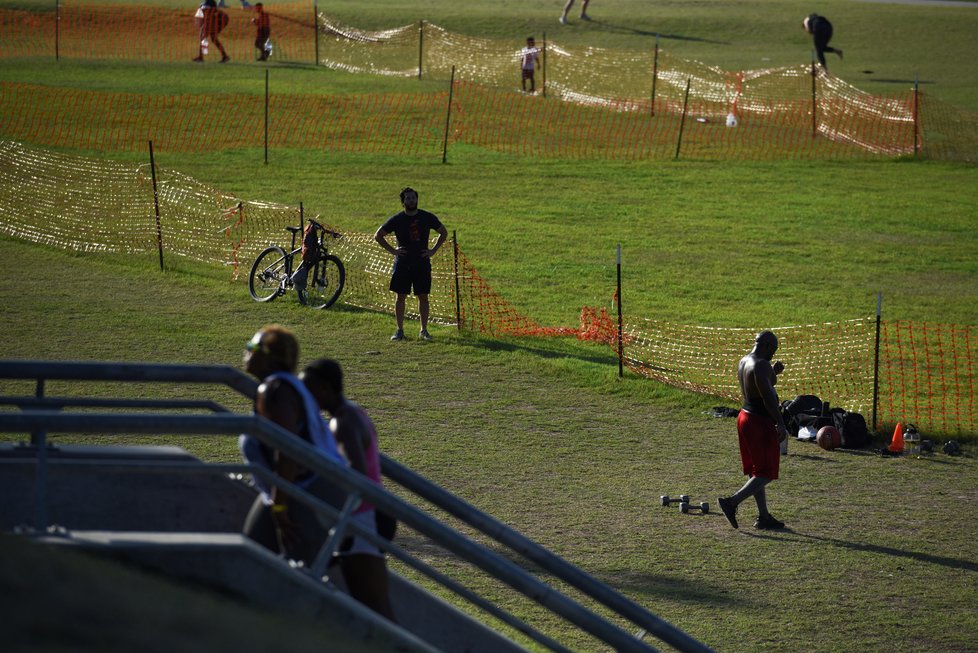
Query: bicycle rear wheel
{"points": [[267, 274], [326, 281]]}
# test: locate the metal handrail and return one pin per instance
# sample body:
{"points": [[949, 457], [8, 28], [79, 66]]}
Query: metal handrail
{"points": [[144, 372], [297, 449]]}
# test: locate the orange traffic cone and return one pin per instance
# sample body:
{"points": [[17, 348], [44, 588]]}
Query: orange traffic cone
{"points": [[896, 446]]}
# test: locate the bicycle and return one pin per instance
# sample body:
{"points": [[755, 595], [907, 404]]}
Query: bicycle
{"points": [[272, 273]]}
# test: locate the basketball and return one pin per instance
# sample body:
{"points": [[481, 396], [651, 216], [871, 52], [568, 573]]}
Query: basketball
{"points": [[829, 438]]}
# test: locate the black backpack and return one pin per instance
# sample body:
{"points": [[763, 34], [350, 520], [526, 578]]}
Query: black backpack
{"points": [[852, 426], [800, 411]]}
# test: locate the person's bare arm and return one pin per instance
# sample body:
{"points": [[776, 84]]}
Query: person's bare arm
{"points": [[764, 382], [442, 235], [280, 405], [381, 238], [351, 437]]}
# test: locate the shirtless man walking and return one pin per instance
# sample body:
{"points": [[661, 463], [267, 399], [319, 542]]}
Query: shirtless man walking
{"points": [[760, 429]]}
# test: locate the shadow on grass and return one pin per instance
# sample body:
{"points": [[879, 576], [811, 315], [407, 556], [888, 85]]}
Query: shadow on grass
{"points": [[652, 585], [624, 29], [898, 81], [680, 588], [951, 563], [558, 351]]}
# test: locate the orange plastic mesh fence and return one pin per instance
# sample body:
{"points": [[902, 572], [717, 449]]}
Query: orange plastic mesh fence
{"points": [[104, 206], [928, 376], [764, 128], [778, 112], [409, 124], [927, 371], [404, 123], [949, 134], [84, 31], [832, 360]]}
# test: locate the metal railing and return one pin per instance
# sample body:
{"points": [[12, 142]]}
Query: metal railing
{"points": [[40, 415]]}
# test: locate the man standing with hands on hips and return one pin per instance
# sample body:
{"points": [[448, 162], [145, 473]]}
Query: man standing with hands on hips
{"points": [[412, 257]]}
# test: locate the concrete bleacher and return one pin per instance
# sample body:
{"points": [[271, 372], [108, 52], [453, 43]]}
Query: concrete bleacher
{"points": [[187, 527]]}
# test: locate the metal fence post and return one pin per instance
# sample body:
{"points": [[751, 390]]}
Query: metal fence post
{"points": [[156, 203], [682, 120], [876, 359]]}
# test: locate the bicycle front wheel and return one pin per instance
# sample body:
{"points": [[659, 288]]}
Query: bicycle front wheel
{"points": [[268, 274], [326, 281]]}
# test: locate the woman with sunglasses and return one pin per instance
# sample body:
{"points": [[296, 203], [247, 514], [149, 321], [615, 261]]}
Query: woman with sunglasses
{"points": [[277, 521]]}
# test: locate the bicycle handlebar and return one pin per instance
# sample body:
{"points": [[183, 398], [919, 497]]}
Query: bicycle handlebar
{"points": [[317, 225]]}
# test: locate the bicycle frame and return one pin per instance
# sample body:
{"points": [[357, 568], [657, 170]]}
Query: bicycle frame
{"points": [[275, 278]]}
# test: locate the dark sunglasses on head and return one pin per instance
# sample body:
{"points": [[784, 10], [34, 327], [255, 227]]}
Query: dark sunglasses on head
{"points": [[255, 344]]}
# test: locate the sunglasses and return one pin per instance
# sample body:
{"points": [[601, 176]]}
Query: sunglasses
{"points": [[255, 344]]}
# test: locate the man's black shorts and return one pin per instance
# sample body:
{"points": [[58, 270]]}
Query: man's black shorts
{"points": [[410, 273]]}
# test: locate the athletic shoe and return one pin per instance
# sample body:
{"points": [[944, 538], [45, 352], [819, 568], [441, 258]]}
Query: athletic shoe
{"points": [[398, 335], [225, 59], [424, 335], [563, 20], [585, 17], [198, 59], [729, 511], [245, 4], [768, 523]]}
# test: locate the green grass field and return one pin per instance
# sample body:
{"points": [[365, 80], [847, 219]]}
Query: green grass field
{"points": [[542, 434]]}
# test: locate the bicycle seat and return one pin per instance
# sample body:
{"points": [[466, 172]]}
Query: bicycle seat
{"points": [[293, 230]]}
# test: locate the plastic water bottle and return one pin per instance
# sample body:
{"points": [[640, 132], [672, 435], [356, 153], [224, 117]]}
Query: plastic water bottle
{"points": [[911, 441]]}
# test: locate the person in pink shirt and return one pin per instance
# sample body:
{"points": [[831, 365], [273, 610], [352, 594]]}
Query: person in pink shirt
{"points": [[362, 563]]}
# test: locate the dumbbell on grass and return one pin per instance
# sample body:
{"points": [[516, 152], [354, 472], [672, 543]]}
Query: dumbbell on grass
{"points": [[685, 506], [683, 498]]}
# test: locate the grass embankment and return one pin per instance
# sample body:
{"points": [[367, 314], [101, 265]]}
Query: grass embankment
{"points": [[544, 437]]}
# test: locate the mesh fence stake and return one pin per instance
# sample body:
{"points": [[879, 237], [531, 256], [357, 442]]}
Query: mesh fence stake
{"points": [[814, 119], [448, 118], [543, 83], [655, 75], [57, 30], [421, 46], [682, 120], [916, 116], [621, 345], [458, 299], [156, 203], [876, 359], [266, 116], [315, 31]]}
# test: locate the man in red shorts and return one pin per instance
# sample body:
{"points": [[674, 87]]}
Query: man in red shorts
{"points": [[760, 429]]}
